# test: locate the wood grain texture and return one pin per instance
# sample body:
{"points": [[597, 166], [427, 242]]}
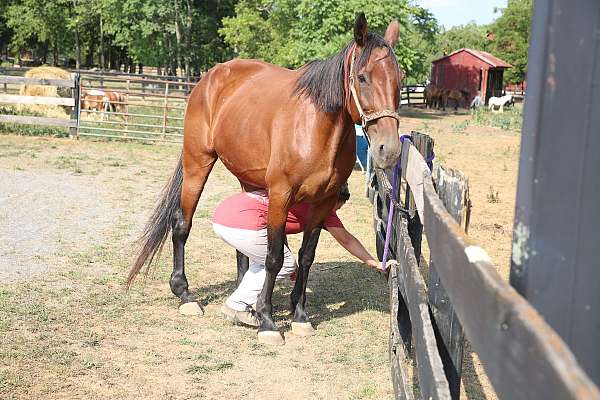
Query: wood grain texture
{"points": [[523, 357], [18, 80], [24, 119], [49, 101]]}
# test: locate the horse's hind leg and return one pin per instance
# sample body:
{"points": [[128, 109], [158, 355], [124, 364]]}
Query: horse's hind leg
{"points": [[196, 169]]}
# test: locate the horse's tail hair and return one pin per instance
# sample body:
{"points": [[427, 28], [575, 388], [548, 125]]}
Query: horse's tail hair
{"points": [[158, 227]]}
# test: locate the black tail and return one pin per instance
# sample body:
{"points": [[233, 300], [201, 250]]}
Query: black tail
{"points": [[159, 226]]}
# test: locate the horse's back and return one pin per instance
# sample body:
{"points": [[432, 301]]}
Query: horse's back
{"points": [[238, 104]]}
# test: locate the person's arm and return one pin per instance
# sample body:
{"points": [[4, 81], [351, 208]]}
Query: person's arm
{"points": [[354, 246]]}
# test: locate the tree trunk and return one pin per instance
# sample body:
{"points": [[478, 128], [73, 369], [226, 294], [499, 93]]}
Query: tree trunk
{"points": [[177, 35], [188, 39], [102, 65], [55, 52], [77, 41]]}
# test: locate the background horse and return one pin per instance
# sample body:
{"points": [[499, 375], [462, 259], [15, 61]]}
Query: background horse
{"points": [[500, 102], [291, 132], [103, 102], [457, 96], [432, 96]]}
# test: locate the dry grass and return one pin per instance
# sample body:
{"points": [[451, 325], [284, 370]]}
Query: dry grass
{"points": [[73, 332]]}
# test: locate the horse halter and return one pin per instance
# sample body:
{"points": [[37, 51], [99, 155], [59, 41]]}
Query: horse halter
{"points": [[370, 117]]}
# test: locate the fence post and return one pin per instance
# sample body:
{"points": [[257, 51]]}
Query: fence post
{"points": [[126, 97], [75, 112], [408, 96], [165, 111], [453, 189]]}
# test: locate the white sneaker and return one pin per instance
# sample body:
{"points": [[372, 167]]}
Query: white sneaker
{"points": [[240, 317]]}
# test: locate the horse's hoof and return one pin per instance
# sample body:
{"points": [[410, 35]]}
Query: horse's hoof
{"points": [[271, 338], [303, 329], [191, 308]]}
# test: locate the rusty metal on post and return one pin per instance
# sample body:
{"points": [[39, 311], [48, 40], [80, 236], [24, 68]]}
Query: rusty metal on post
{"points": [[165, 110]]}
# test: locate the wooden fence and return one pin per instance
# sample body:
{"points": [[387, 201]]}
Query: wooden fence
{"points": [[412, 95], [152, 108], [459, 289], [24, 100]]}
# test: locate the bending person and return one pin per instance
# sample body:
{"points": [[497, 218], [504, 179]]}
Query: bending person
{"points": [[241, 221]]}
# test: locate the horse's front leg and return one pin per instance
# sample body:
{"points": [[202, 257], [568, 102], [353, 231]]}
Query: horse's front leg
{"points": [[278, 208], [301, 325]]}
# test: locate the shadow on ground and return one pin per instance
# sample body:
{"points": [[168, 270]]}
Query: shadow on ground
{"points": [[422, 113], [336, 289]]}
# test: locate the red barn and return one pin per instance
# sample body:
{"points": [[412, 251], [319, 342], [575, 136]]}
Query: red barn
{"points": [[470, 70]]}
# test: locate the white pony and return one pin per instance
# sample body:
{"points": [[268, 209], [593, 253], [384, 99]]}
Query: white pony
{"points": [[500, 102]]}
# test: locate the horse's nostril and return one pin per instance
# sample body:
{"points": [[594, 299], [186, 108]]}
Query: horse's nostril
{"points": [[381, 147]]}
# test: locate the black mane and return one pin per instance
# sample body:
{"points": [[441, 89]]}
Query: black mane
{"points": [[323, 80]]}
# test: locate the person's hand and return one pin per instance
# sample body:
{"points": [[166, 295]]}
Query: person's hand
{"points": [[388, 267]]}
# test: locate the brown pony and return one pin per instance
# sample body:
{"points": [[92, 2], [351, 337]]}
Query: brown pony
{"points": [[291, 132], [457, 96], [432, 96]]}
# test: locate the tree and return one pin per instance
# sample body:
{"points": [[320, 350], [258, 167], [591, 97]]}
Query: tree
{"points": [[39, 26], [470, 36], [291, 33], [512, 31]]}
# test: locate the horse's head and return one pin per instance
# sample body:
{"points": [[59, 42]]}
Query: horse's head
{"points": [[374, 83]]}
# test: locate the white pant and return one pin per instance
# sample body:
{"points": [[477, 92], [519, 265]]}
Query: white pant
{"points": [[254, 245]]}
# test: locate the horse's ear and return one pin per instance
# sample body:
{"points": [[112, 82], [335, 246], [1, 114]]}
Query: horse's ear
{"points": [[360, 29], [392, 32]]}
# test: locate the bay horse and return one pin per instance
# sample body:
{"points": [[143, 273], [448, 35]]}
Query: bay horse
{"points": [[432, 96], [290, 132]]}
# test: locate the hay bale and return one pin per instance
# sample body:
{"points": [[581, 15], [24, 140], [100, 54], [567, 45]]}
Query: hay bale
{"points": [[46, 90]]}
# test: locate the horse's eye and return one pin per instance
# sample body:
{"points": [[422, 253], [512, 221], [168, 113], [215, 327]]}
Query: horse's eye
{"points": [[362, 78]]}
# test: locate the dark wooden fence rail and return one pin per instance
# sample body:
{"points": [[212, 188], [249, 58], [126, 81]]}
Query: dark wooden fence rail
{"points": [[522, 356], [413, 95]]}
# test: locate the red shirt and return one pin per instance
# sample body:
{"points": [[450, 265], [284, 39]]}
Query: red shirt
{"points": [[250, 210]]}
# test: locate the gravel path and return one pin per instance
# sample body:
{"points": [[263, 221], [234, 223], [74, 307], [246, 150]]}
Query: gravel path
{"points": [[43, 215]]}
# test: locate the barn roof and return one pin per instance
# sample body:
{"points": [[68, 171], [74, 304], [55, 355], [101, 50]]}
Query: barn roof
{"points": [[493, 61]]}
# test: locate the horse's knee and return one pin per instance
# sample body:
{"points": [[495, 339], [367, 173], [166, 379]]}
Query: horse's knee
{"points": [[274, 263]]}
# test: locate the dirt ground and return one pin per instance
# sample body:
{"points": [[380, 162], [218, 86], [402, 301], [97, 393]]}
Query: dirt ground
{"points": [[70, 212]]}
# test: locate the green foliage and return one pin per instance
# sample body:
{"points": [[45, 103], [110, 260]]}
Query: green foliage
{"points": [[291, 33], [510, 120], [169, 34], [512, 31], [471, 36]]}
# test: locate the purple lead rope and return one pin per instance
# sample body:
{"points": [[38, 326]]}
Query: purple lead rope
{"points": [[388, 231], [390, 215]]}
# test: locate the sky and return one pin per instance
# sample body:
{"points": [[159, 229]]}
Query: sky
{"points": [[459, 12]]}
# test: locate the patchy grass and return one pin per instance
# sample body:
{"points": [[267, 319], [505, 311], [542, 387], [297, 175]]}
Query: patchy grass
{"points": [[75, 332], [511, 119]]}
